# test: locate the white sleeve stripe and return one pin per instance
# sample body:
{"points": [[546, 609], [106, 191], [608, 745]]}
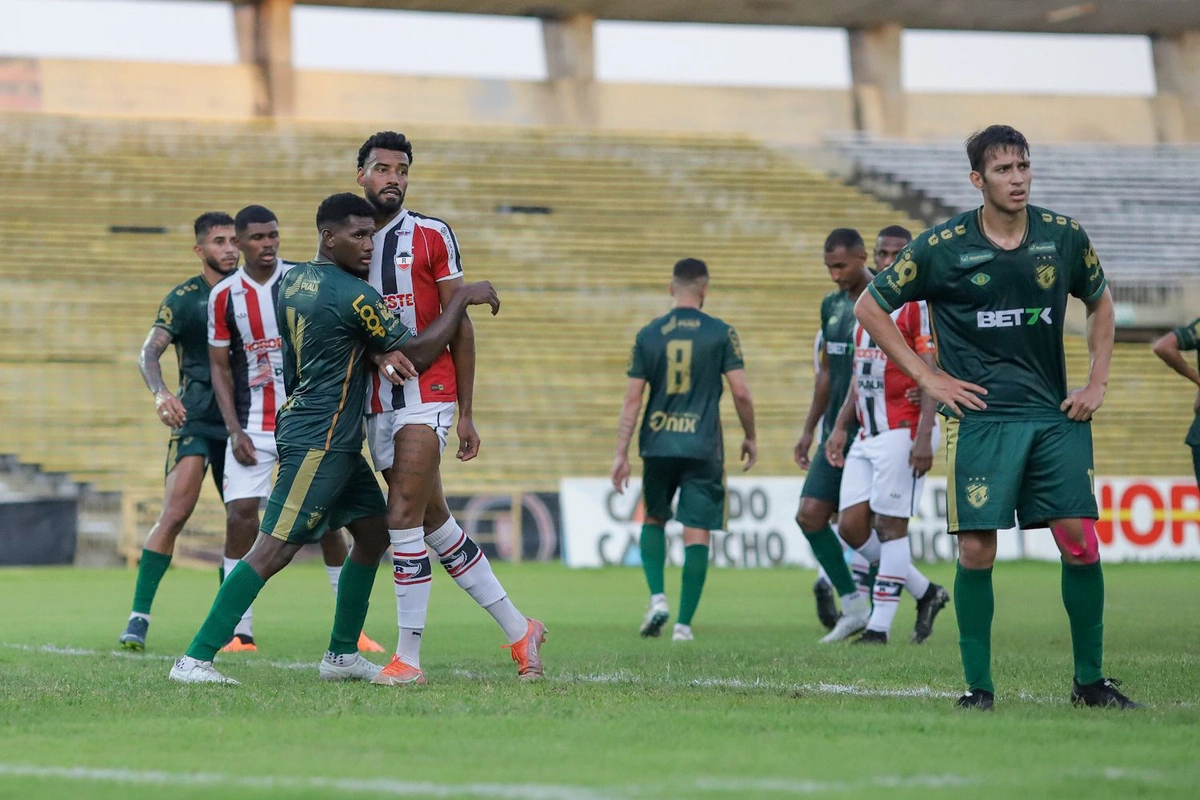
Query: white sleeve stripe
{"points": [[453, 277]]}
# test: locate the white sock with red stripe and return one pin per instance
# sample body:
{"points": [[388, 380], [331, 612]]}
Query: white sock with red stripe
{"points": [[860, 570], [894, 561], [410, 565], [470, 569], [245, 625]]}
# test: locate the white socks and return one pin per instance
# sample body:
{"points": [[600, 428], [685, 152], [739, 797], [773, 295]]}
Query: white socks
{"points": [[410, 563], [335, 574], [245, 625], [469, 568], [895, 558], [917, 584]]}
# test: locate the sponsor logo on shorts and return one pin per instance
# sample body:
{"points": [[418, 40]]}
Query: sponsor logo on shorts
{"points": [[977, 494], [1013, 317]]}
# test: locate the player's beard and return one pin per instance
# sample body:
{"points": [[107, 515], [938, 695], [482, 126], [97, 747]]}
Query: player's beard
{"points": [[215, 266], [384, 207]]}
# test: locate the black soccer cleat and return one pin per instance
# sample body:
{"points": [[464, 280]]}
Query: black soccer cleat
{"points": [[827, 610], [933, 601], [134, 637], [871, 637], [978, 699], [1101, 694]]}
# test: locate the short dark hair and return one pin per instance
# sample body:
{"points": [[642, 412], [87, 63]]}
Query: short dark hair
{"points": [[690, 270], [984, 143], [895, 232], [385, 140], [338, 208], [843, 237], [251, 215], [209, 220]]}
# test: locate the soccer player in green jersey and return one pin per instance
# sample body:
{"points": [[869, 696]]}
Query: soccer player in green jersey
{"points": [[1170, 349], [334, 327], [197, 432], [682, 356], [846, 260], [997, 280]]}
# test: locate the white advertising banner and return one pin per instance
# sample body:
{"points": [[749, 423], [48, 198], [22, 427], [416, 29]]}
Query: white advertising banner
{"points": [[1141, 519]]}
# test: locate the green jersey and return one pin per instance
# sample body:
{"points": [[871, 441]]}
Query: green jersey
{"points": [[997, 315], [329, 319], [1189, 339], [837, 340], [184, 314], [682, 356]]}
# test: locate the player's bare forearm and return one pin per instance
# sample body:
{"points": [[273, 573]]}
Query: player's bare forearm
{"points": [[462, 351], [424, 348], [629, 413], [1167, 349], [928, 404], [883, 331], [222, 383], [820, 398], [1102, 330], [846, 412], [157, 342]]}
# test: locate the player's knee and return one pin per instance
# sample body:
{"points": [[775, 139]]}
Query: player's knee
{"points": [[975, 553], [1079, 544], [174, 517], [811, 518]]}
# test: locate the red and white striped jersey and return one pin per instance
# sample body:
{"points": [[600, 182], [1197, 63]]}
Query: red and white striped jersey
{"points": [[881, 385], [414, 253], [241, 316]]}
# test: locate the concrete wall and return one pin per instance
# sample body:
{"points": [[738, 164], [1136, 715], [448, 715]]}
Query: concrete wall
{"points": [[798, 116]]}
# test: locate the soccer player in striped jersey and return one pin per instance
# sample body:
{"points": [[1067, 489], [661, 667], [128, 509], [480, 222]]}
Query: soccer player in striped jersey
{"points": [[245, 351], [197, 435], [417, 269], [883, 472]]}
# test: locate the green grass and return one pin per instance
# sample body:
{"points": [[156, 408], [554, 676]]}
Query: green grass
{"points": [[744, 711]]}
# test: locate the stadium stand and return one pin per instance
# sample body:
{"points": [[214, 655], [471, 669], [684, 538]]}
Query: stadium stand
{"points": [[578, 277]]}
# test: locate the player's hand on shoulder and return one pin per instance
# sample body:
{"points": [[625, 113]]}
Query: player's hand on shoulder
{"points": [[482, 293], [169, 409], [749, 454], [802, 450], [620, 474], [951, 392], [243, 448], [468, 439], [1081, 404], [395, 366], [920, 458], [835, 448]]}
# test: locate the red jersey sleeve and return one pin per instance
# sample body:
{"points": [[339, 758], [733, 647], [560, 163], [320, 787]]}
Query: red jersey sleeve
{"points": [[218, 325], [913, 322]]}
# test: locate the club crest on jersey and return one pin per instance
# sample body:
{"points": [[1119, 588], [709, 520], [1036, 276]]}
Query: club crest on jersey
{"points": [[1046, 274], [977, 494], [404, 259]]}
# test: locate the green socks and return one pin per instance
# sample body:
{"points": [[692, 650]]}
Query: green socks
{"points": [[654, 556], [974, 605], [150, 574], [695, 568], [1083, 597], [353, 597], [236, 594], [828, 552]]}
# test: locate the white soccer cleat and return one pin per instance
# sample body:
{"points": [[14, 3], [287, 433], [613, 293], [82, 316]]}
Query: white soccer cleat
{"points": [[856, 611], [656, 617], [683, 633], [189, 670], [342, 668]]}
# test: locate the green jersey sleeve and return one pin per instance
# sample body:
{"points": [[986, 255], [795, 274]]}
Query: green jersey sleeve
{"points": [[733, 352], [382, 330], [637, 361], [171, 314], [1189, 335], [1087, 275], [907, 279]]}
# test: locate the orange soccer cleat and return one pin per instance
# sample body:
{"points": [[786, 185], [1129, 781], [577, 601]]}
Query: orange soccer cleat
{"points": [[368, 645], [399, 673], [240, 643], [527, 652]]}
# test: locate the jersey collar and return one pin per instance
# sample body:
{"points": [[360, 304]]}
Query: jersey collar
{"points": [[981, 238]]}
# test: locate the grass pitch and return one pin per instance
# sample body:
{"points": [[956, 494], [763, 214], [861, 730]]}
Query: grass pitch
{"points": [[754, 708]]}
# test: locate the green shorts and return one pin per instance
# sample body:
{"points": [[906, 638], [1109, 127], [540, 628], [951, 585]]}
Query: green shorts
{"points": [[1041, 469], [317, 490], [824, 480], [701, 487], [1196, 463], [211, 449]]}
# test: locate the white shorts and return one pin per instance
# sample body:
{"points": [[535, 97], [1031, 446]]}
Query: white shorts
{"points": [[255, 481], [382, 428], [877, 472]]}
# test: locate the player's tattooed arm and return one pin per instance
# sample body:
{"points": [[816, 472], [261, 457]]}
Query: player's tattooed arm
{"points": [[462, 352], [835, 445], [168, 408], [629, 412], [222, 383], [1167, 349], [1081, 404], [744, 405], [816, 408], [427, 345]]}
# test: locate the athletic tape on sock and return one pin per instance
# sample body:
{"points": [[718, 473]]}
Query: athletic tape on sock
{"points": [[1088, 551]]}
